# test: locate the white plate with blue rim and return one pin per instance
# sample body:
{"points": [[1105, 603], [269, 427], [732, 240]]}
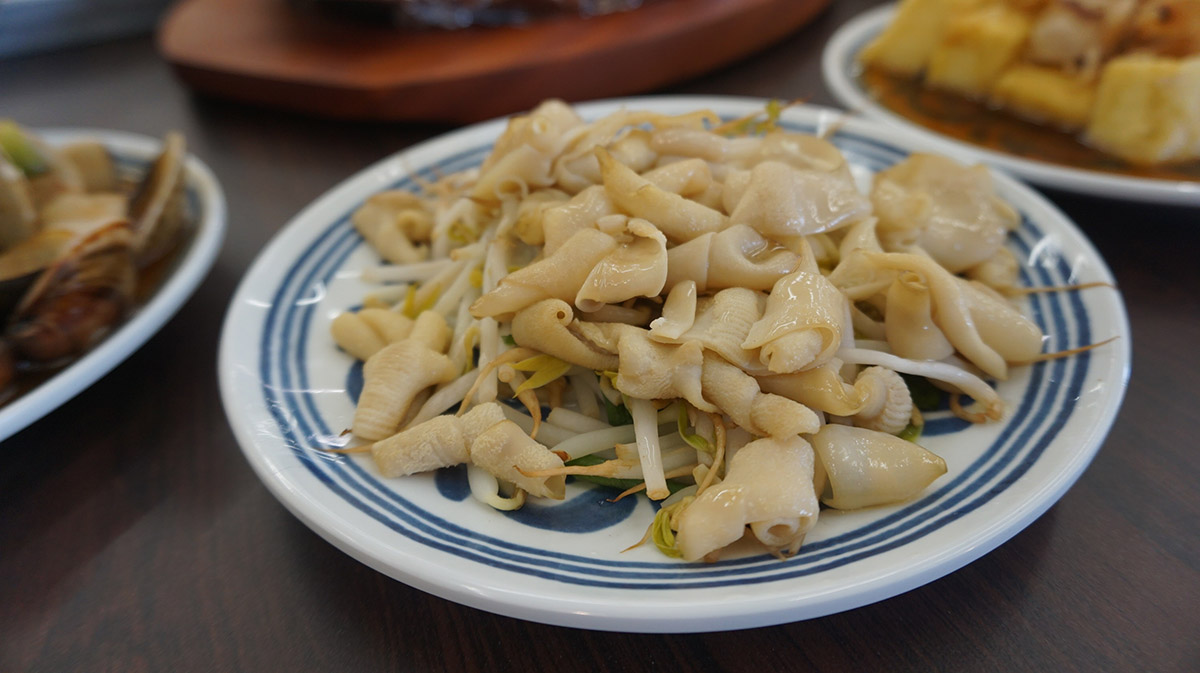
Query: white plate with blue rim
{"points": [[132, 154], [288, 392], [842, 73]]}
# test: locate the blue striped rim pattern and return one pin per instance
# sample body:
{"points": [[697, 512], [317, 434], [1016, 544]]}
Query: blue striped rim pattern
{"points": [[1046, 404]]}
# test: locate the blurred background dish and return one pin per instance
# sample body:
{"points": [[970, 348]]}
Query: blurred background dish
{"points": [[1039, 154], [29, 26], [178, 279], [278, 54], [451, 14]]}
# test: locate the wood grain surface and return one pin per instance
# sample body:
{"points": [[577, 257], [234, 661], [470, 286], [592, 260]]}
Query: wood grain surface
{"points": [[271, 52], [134, 536]]}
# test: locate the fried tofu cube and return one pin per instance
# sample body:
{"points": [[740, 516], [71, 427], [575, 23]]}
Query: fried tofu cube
{"points": [[1046, 96], [904, 47], [976, 48], [1147, 109]]}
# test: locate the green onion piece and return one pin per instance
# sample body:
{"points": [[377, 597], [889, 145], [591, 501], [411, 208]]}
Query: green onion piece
{"points": [[618, 414], [545, 368], [694, 439], [23, 153], [925, 395], [774, 109], [663, 536], [912, 433], [508, 339]]}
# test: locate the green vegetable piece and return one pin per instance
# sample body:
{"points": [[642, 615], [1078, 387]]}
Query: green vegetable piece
{"points": [[694, 439], [24, 154], [912, 433], [618, 414], [508, 339], [925, 395], [545, 368], [661, 533]]}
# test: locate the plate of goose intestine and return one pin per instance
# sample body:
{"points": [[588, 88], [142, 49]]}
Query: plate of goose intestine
{"points": [[673, 364], [103, 236]]}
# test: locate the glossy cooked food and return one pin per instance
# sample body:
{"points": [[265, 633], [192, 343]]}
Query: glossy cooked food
{"points": [[711, 308], [78, 238], [1123, 75]]}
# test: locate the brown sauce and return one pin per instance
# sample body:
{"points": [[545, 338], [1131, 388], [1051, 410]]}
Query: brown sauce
{"points": [[978, 124]]}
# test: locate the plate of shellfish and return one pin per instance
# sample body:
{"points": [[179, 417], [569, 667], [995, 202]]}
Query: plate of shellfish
{"points": [[1096, 98], [673, 364], [103, 236]]}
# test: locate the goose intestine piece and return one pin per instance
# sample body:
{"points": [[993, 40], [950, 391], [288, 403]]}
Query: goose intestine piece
{"points": [[624, 134], [703, 144], [576, 172], [365, 332], [1001, 272], [650, 370], [524, 154], [393, 222], [867, 468], [679, 218], [549, 326], [636, 268], [394, 376], [678, 313], [780, 200], [797, 149], [736, 257], [802, 325], [560, 221], [908, 321], [982, 326], [721, 324], [878, 400], [531, 214], [889, 405], [545, 128], [948, 210], [768, 486], [558, 275], [506, 452], [800, 150], [738, 395], [854, 275], [442, 441], [690, 178]]}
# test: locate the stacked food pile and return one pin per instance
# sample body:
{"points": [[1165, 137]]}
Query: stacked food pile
{"points": [[1122, 74]]}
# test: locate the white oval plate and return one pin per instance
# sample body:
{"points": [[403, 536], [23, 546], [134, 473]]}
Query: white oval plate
{"points": [[841, 71], [133, 154], [284, 385]]}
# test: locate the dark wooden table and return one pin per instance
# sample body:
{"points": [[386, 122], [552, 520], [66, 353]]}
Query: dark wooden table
{"points": [[134, 536]]}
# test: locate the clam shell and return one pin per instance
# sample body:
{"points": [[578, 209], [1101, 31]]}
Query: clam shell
{"points": [[158, 209]]}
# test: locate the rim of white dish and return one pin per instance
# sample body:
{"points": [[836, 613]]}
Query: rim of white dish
{"points": [[839, 68], [147, 319], [673, 610]]}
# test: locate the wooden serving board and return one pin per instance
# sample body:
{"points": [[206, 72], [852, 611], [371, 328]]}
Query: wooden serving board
{"points": [[272, 53]]}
